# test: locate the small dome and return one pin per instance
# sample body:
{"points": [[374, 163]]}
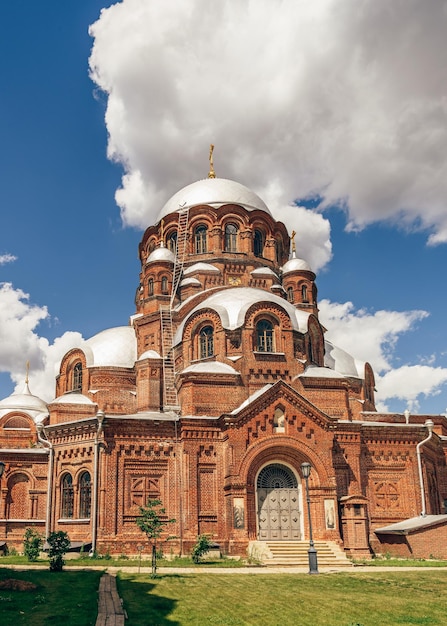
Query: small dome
{"points": [[114, 347], [149, 354], [24, 401], [72, 398], [161, 254], [214, 192], [296, 265]]}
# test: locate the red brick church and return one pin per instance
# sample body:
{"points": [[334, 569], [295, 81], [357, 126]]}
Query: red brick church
{"points": [[212, 397]]}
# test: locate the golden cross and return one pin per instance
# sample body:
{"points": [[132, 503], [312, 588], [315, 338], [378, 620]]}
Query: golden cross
{"points": [[211, 173]]}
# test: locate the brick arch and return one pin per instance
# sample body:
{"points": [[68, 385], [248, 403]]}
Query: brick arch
{"points": [[17, 419], [199, 318], [267, 309], [280, 448]]}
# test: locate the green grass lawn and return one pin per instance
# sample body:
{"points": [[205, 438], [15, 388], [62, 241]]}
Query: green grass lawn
{"points": [[342, 599], [68, 598]]}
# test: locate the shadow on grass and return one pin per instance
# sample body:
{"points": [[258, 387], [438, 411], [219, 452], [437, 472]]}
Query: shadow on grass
{"points": [[141, 604]]}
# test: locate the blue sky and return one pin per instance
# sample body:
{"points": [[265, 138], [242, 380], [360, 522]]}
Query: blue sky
{"points": [[358, 126]]}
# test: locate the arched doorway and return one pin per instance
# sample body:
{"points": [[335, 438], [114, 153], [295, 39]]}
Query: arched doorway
{"points": [[278, 504]]}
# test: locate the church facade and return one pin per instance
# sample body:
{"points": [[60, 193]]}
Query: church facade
{"points": [[212, 397]]}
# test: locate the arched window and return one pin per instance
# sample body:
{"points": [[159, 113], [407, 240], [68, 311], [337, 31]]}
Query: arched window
{"points": [[279, 251], [206, 342], [77, 377], [172, 242], [200, 239], [67, 497], [258, 243], [304, 296], [150, 287], [279, 420], [264, 336], [164, 285], [231, 238], [85, 495], [290, 297]]}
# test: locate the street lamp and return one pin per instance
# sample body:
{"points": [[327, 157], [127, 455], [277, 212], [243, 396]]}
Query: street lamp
{"points": [[312, 553]]}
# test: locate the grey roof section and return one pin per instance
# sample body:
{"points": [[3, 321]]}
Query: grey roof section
{"points": [[341, 361], [210, 367], [201, 267], [313, 371], [114, 347], [252, 398], [214, 192], [411, 525], [264, 271], [190, 281], [72, 398], [232, 305]]}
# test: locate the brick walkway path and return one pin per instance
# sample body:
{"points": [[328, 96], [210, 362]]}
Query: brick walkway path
{"points": [[110, 607]]}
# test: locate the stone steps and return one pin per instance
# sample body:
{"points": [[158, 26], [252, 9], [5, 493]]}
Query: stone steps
{"points": [[283, 553]]}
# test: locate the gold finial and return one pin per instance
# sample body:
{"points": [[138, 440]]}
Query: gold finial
{"points": [[292, 237], [27, 373], [211, 173]]}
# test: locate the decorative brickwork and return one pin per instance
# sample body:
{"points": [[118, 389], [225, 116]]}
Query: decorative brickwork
{"points": [[260, 392]]}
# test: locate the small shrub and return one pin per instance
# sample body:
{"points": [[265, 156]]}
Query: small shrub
{"points": [[201, 547], [59, 544], [32, 544]]}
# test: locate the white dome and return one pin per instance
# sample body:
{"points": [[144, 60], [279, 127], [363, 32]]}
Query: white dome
{"points": [[114, 347], [214, 192], [296, 265], [24, 401], [161, 254]]}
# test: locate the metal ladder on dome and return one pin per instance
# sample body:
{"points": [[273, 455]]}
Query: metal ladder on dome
{"points": [[170, 398]]}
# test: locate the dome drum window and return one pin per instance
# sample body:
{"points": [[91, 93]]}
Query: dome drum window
{"points": [[231, 232], [258, 243], [201, 240]]}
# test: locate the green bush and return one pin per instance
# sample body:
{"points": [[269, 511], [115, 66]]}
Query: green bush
{"points": [[59, 544], [32, 544], [202, 546]]}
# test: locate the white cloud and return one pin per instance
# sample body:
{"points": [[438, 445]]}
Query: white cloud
{"points": [[343, 98], [373, 337], [20, 342], [369, 336], [7, 258], [409, 382]]}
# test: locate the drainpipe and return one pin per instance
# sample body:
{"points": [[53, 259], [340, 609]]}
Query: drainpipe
{"points": [[41, 431], [100, 417], [429, 424]]}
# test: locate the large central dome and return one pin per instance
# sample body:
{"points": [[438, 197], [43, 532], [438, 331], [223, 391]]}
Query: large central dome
{"points": [[214, 192]]}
